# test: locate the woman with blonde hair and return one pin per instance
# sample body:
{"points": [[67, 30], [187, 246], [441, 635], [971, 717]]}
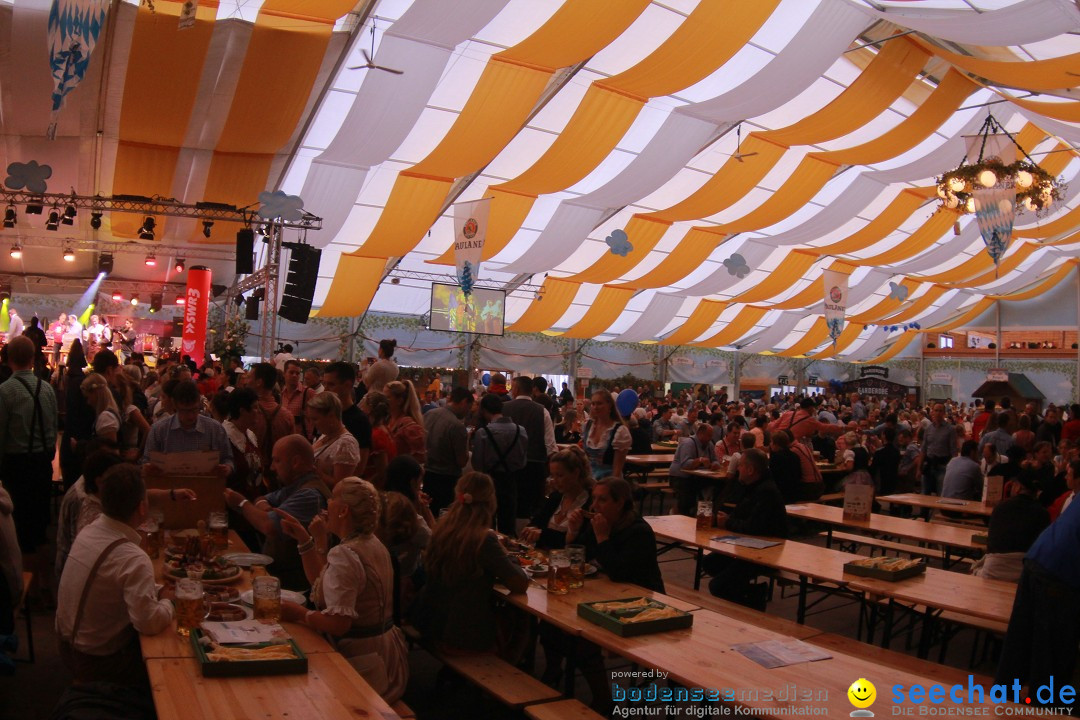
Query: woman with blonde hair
{"points": [[383, 450], [352, 586], [406, 423], [107, 422], [463, 561], [337, 454], [573, 481], [606, 437]]}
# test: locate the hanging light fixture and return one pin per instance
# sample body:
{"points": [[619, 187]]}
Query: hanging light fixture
{"points": [[69, 255], [179, 266], [997, 185], [1036, 189], [10, 218], [146, 232], [53, 221], [16, 251], [95, 220], [180, 300], [151, 260], [70, 211], [135, 299], [118, 296]]}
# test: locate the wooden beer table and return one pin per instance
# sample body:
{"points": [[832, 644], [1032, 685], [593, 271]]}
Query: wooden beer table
{"points": [[933, 502], [944, 536], [331, 688], [656, 460]]}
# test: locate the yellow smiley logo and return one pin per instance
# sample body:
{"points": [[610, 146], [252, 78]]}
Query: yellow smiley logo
{"points": [[862, 693]]}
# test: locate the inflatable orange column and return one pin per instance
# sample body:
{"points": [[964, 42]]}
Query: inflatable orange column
{"points": [[196, 307]]}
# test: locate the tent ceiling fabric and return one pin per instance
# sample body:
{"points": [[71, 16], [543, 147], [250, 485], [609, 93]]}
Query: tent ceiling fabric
{"points": [[743, 148]]}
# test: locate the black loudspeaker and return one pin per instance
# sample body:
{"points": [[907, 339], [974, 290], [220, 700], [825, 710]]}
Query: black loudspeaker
{"points": [[300, 283], [251, 309], [245, 251]]}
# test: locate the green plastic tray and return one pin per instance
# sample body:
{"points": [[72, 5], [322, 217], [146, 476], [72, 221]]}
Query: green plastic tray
{"points": [[247, 668], [610, 620]]}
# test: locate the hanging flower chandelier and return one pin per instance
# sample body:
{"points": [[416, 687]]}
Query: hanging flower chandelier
{"points": [[1036, 189]]}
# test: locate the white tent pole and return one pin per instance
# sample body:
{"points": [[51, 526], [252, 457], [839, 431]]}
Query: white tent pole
{"points": [[997, 342]]}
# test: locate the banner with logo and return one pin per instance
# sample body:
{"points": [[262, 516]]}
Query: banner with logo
{"points": [[836, 294], [470, 229], [74, 26], [196, 307], [995, 206], [187, 14]]}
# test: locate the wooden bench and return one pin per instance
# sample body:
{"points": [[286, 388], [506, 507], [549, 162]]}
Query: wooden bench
{"points": [[562, 710], [498, 678], [830, 497], [652, 489]]}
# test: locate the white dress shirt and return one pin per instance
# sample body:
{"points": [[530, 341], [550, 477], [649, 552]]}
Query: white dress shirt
{"points": [[549, 429], [122, 596]]}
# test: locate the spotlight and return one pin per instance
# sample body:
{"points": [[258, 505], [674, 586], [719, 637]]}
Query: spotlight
{"points": [[118, 296], [10, 217], [179, 266], [95, 220], [69, 214], [69, 255], [146, 232], [54, 219], [150, 261], [16, 251], [105, 263], [180, 300], [35, 208], [206, 225], [135, 299]]}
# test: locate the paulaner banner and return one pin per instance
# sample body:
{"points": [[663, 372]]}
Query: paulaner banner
{"points": [[196, 306], [995, 206], [836, 293], [470, 230]]}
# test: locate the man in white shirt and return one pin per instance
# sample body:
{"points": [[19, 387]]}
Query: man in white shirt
{"points": [[15, 324], [107, 594], [283, 357]]}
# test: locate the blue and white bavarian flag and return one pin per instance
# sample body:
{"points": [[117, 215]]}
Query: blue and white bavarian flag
{"points": [[74, 26], [995, 206]]}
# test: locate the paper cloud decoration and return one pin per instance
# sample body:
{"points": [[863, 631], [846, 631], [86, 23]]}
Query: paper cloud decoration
{"points": [[28, 175], [898, 292], [277, 204], [619, 243], [736, 265]]}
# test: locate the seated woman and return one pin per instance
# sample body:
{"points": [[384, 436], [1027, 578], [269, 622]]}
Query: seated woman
{"points": [[613, 534], [1014, 525], [456, 608], [1072, 481], [352, 586], [404, 475], [573, 482], [336, 451]]}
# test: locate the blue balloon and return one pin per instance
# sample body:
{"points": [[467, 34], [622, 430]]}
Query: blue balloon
{"points": [[627, 402], [485, 379]]}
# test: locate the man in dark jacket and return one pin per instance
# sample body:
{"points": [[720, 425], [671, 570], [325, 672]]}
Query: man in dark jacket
{"points": [[759, 510]]}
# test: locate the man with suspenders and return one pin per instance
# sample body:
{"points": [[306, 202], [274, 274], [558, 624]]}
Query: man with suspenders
{"points": [[500, 449]]}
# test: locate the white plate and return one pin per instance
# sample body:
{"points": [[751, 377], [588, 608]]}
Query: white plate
{"points": [[536, 569], [591, 569], [290, 595], [246, 560]]}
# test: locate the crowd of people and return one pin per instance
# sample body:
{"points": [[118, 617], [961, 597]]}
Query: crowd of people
{"points": [[383, 506]]}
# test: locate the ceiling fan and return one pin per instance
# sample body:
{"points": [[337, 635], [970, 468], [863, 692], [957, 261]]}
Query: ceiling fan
{"points": [[739, 155], [370, 64]]}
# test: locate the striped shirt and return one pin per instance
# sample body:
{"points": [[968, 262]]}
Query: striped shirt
{"points": [[17, 411]]}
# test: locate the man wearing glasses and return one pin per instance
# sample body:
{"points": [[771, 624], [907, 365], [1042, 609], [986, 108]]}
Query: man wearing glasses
{"points": [[186, 431]]}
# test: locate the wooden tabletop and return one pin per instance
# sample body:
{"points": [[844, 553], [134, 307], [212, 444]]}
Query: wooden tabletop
{"points": [[967, 507], [561, 610], [899, 527], [943, 589], [708, 474], [649, 459], [661, 448], [330, 689]]}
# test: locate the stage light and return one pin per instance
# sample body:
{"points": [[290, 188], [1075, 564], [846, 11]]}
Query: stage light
{"points": [[206, 225], [179, 266], [95, 220], [150, 260], [135, 299], [69, 255], [34, 208], [146, 232], [180, 300], [118, 296], [69, 214], [53, 223], [16, 251], [10, 218], [105, 263]]}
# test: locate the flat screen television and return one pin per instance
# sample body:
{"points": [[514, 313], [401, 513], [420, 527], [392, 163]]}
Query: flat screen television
{"points": [[483, 312]]}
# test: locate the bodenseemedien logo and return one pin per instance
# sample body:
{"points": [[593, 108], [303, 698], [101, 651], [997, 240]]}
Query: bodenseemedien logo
{"points": [[862, 694]]}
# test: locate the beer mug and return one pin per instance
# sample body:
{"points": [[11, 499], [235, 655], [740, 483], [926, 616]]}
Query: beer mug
{"points": [[266, 598], [704, 514], [576, 578], [219, 529], [149, 533], [558, 572], [190, 605]]}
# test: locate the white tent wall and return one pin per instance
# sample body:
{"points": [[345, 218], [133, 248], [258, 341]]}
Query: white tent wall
{"points": [[699, 366], [616, 359], [1056, 379], [524, 352], [1056, 309]]}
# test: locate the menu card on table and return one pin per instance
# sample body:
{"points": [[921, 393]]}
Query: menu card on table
{"points": [[750, 542], [780, 653], [244, 632]]}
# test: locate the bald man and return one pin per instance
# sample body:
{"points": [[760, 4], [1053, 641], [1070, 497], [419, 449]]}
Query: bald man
{"points": [[302, 495]]}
